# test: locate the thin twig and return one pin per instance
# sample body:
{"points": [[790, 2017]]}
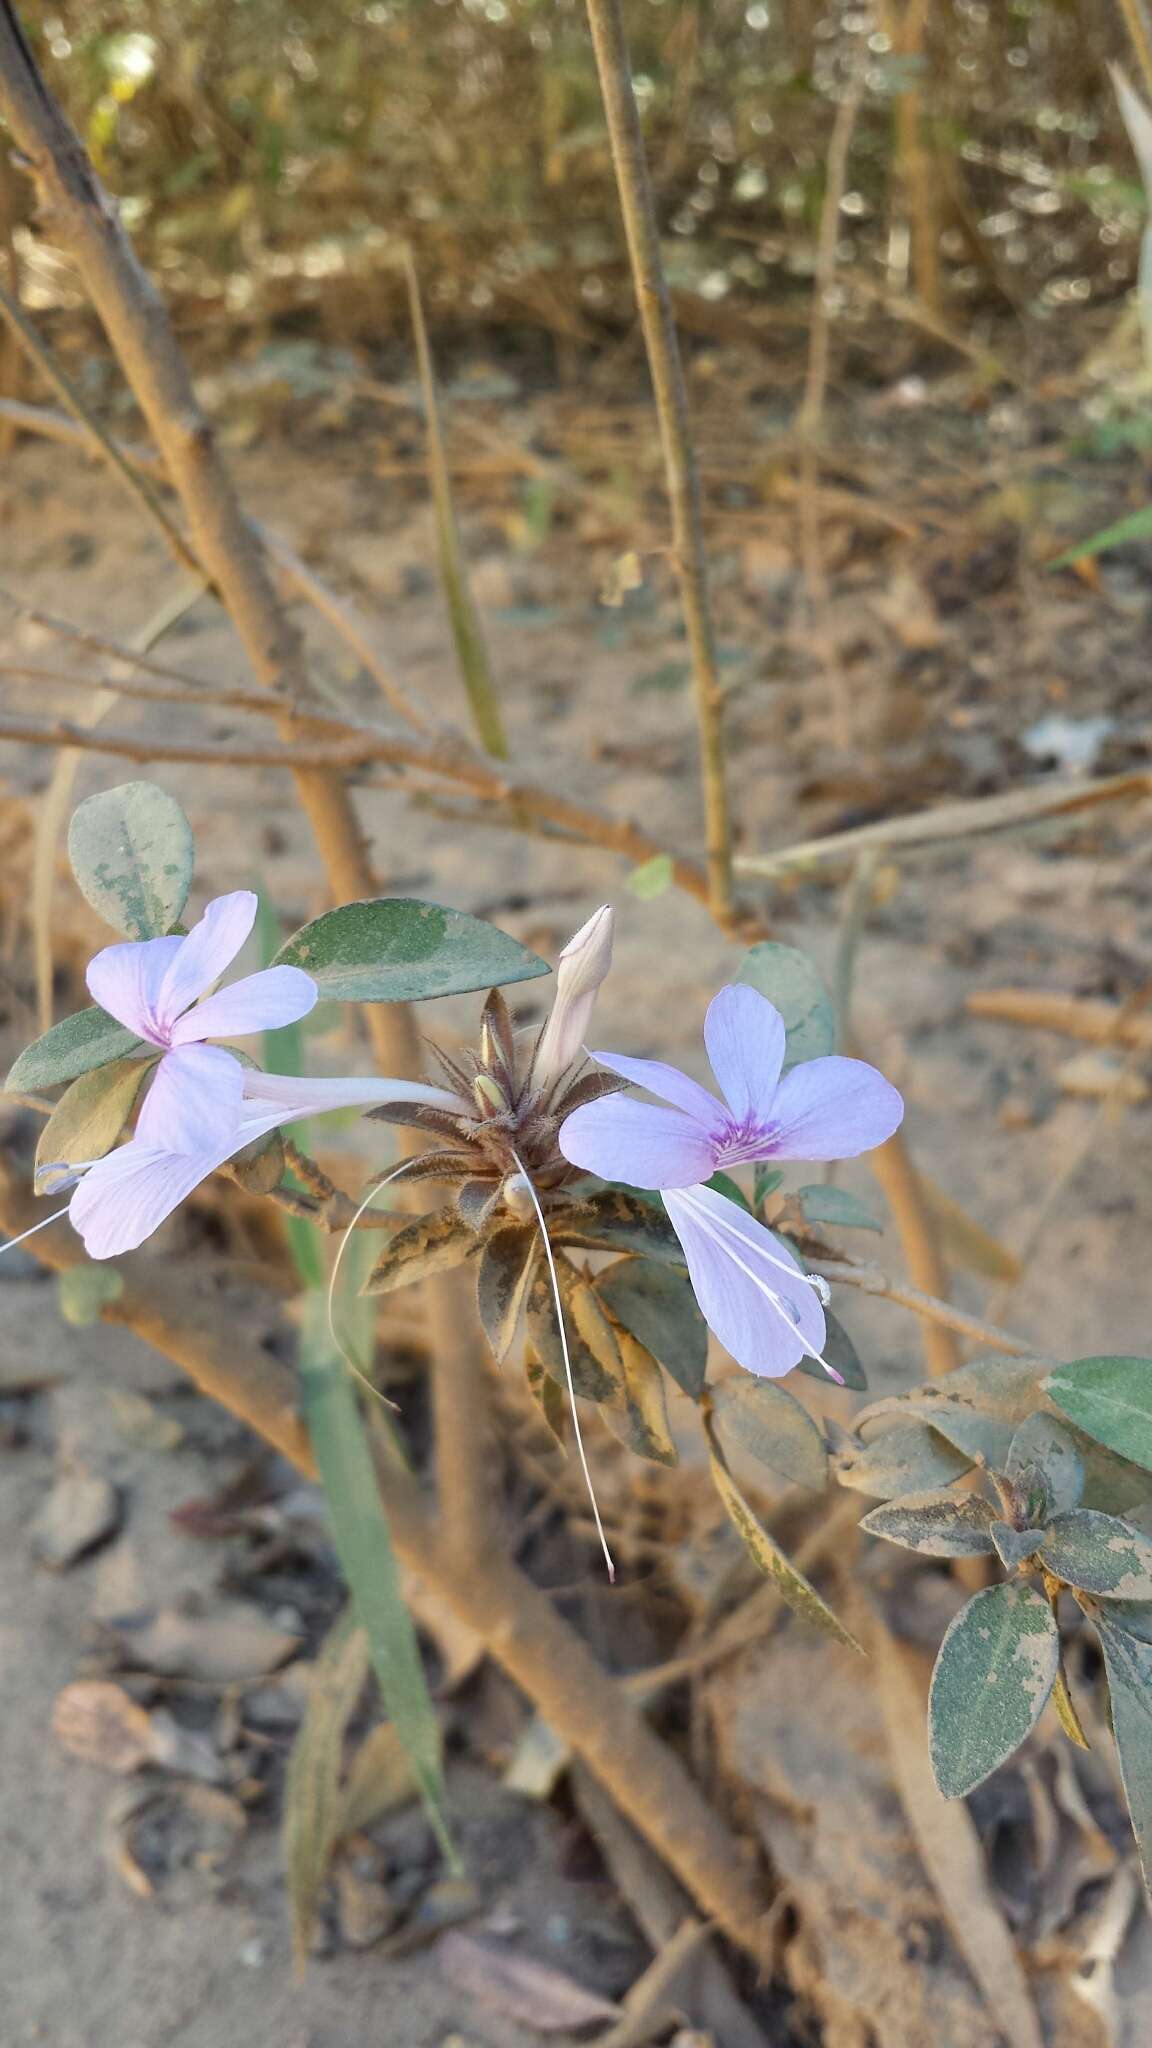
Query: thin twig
{"points": [[893, 1168], [810, 417], [656, 318], [1098, 1022], [1140, 37], [871, 1280]]}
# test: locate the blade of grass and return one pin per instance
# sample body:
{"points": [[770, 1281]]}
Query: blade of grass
{"points": [[467, 633], [364, 1546], [284, 1054], [314, 1805]]}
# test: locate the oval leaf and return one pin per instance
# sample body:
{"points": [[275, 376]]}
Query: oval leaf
{"points": [[789, 980], [1099, 1554], [639, 1417], [1043, 1458], [77, 1045], [1128, 1664], [132, 853], [417, 1250], [907, 1459], [85, 1291], [773, 1428], [657, 1305], [1110, 1399], [792, 1586], [505, 1273], [996, 1668], [825, 1204], [394, 949], [935, 1524], [1014, 1547], [90, 1115]]}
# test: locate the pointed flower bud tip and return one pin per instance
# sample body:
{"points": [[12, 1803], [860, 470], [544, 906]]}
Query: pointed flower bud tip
{"points": [[580, 970]]}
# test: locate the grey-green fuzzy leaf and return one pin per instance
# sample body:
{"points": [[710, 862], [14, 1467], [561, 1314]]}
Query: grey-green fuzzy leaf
{"points": [[996, 1668], [657, 1305], [909, 1458], [76, 1045], [1042, 1446], [773, 1427], [1111, 1399], [395, 949], [840, 1353], [133, 855], [1099, 1554], [935, 1524], [1128, 1664]]}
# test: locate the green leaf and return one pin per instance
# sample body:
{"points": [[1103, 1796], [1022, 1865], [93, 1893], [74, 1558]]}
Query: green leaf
{"points": [[1135, 526], [826, 1204], [791, 1584], [418, 1250], [1111, 1400], [1134, 1617], [616, 1222], [90, 1115], [283, 1053], [503, 1278], [1043, 1461], [909, 1458], [841, 1354], [313, 1802], [77, 1045], [935, 1524], [639, 1414], [363, 1543], [1128, 1664], [983, 1439], [765, 1181], [723, 1184], [652, 877], [657, 1305], [83, 1293], [394, 949], [1099, 1554], [789, 980], [773, 1428], [590, 1379], [133, 855], [996, 1668]]}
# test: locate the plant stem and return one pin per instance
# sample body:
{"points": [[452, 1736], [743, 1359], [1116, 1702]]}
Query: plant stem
{"points": [[655, 308]]}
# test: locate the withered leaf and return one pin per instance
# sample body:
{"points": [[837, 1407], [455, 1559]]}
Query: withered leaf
{"points": [[503, 1278], [418, 1250]]}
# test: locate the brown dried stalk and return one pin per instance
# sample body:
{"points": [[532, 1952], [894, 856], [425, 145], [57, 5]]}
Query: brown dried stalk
{"points": [[223, 542], [655, 308]]}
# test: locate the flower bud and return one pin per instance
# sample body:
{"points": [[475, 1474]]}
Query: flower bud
{"points": [[580, 969]]}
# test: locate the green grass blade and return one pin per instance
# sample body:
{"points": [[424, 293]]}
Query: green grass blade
{"points": [[467, 632], [313, 1803], [364, 1546], [284, 1054], [1137, 526]]}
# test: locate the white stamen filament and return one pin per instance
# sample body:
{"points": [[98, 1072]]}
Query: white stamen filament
{"points": [[42, 1225], [567, 1365], [345, 1351], [721, 1232]]}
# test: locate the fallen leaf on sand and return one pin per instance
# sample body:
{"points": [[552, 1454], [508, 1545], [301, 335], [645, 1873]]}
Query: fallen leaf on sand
{"points": [[521, 1989], [98, 1722], [80, 1511], [225, 1644]]}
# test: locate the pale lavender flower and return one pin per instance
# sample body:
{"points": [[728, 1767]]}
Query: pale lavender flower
{"points": [[202, 1106], [124, 1197], [750, 1289], [151, 987]]}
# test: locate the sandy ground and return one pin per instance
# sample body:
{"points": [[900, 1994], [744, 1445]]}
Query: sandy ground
{"points": [[85, 1963]]}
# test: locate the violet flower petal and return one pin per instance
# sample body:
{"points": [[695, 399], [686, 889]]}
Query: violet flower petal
{"points": [[670, 1085], [744, 1034], [637, 1142], [194, 1102], [832, 1109], [126, 981], [751, 1293], [261, 1002], [209, 948], [128, 1195]]}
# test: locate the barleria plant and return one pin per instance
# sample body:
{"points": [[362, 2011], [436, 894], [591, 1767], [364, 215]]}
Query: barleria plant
{"points": [[605, 1235]]}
